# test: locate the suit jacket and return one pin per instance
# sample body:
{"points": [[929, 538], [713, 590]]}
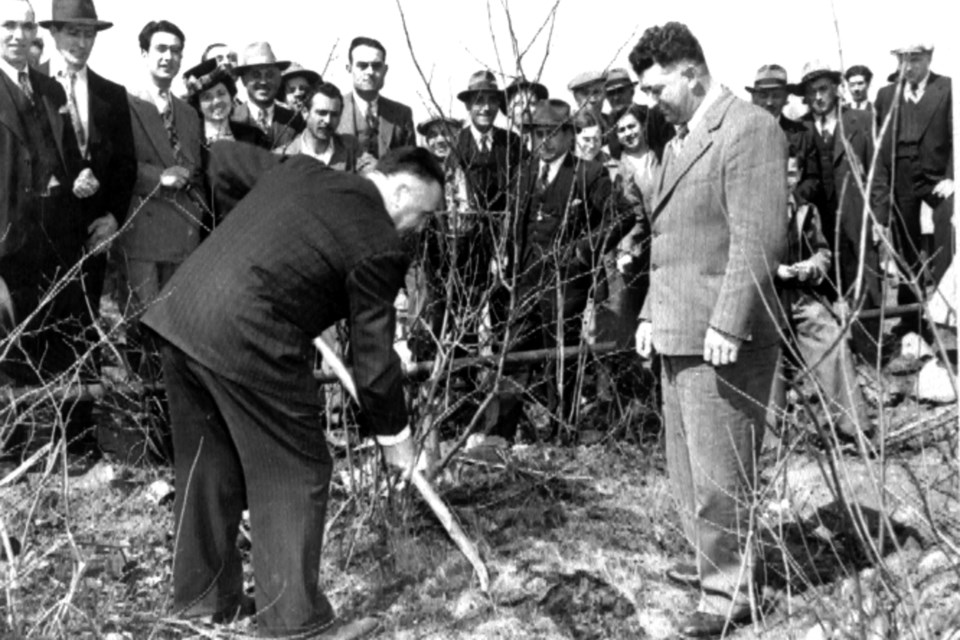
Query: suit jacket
{"points": [[396, 123], [488, 180], [719, 231], [167, 226], [560, 232], [934, 151], [287, 124], [248, 303], [18, 196], [346, 151]]}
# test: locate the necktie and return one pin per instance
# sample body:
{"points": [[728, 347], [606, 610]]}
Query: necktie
{"points": [[485, 144], [75, 113], [914, 95], [24, 79], [168, 123], [682, 131], [262, 121], [373, 130], [543, 179]]}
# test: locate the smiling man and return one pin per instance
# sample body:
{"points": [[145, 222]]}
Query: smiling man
{"points": [[718, 236], [380, 124], [320, 139], [306, 248], [261, 74]]}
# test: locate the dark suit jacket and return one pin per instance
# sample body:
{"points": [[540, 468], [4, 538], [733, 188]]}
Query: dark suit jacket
{"points": [[935, 149], [488, 185], [396, 123], [286, 125], [248, 303], [167, 226], [719, 231], [346, 152], [560, 233], [18, 196]]}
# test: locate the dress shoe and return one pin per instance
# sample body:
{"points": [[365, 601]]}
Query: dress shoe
{"points": [[684, 575], [348, 630], [701, 624]]}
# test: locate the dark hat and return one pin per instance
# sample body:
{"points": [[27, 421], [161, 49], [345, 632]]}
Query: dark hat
{"points": [[259, 54], [520, 84], [453, 123], [859, 70], [769, 76], [81, 12], [586, 79], [296, 69], [481, 82], [617, 78], [550, 113], [817, 69], [205, 75]]}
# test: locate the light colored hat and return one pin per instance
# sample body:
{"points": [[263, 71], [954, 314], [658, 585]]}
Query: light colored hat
{"points": [[296, 69], [259, 54], [913, 47], [586, 79], [818, 69]]}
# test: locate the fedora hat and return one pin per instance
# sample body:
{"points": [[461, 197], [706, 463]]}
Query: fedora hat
{"points": [[259, 54], [816, 69], [617, 78], [296, 69], [81, 12], [520, 84], [916, 46], [550, 113], [452, 123], [769, 76], [481, 82]]}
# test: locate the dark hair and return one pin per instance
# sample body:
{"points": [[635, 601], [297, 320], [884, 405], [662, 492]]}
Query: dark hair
{"points": [[859, 70], [638, 111], [210, 47], [217, 77], [37, 42], [327, 89], [159, 26], [666, 45], [363, 41], [585, 119], [414, 160]]}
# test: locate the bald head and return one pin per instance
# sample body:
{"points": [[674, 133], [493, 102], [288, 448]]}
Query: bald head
{"points": [[18, 28]]}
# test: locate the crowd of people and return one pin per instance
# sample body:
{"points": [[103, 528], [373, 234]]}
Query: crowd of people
{"points": [[716, 233]]}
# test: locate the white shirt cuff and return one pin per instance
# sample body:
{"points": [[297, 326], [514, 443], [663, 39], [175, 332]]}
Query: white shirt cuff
{"points": [[391, 441]]}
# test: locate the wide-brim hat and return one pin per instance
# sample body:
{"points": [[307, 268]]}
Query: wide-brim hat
{"points": [[549, 113], [815, 70], [770, 76], [259, 54], [481, 82], [81, 12], [617, 78], [205, 75], [917, 46], [296, 69], [453, 123], [522, 84]]}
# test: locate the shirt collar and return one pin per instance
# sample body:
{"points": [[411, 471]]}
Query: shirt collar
{"points": [[923, 83], [478, 137], [713, 94], [58, 68], [255, 112], [306, 149], [364, 105], [11, 71], [555, 165]]}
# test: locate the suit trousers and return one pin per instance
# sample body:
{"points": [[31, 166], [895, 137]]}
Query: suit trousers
{"points": [[714, 418], [236, 448]]}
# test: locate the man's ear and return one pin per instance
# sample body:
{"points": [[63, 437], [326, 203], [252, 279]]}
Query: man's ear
{"points": [[386, 68]]}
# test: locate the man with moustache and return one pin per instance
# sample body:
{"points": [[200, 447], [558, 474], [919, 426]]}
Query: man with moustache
{"points": [[380, 124], [260, 71], [320, 139], [101, 121]]}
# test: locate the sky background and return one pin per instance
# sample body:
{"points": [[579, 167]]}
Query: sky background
{"points": [[451, 40]]}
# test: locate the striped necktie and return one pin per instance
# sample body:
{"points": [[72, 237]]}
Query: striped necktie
{"points": [[75, 113], [24, 79]]}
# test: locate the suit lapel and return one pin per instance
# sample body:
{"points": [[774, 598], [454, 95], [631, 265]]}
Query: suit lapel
{"points": [[144, 111], [386, 125], [98, 108], [696, 144], [9, 113], [933, 95], [53, 115]]}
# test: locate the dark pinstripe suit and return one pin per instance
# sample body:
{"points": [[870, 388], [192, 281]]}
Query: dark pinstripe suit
{"points": [[306, 247]]}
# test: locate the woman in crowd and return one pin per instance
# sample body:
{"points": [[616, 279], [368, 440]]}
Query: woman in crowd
{"points": [[588, 143]]}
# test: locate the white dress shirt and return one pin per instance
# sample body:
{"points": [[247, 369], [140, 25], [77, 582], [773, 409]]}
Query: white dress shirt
{"points": [[916, 96], [306, 148], [826, 123], [255, 112], [479, 137], [12, 72], [713, 94], [81, 89]]}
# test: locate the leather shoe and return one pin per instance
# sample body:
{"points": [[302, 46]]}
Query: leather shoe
{"points": [[684, 575], [348, 630], [701, 624]]}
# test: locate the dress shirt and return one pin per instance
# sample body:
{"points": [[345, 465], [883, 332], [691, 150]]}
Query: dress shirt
{"points": [[862, 106], [306, 148], [826, 123], [213, 131], [255, 112], [364, 107], [478, 137], [555, 165], [713, 94], [161, 97], [81, 89], [12, 72], [916, 96]]}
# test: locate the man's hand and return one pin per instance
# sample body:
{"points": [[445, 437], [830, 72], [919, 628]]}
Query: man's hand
{"points": [[402, 456], [881, 235], [944, 188], [86, 184], [175, 178], [719, 349], [624, 260], [101, 230], [644, 339], [786, 272], [806, 270]]}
